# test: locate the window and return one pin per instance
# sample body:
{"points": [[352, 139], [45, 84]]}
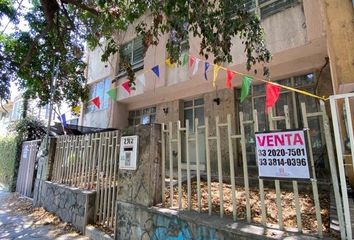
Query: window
{"points": [[17, 111], [133, 53], [142, 116], [99, 89], [256, 101], [194, 109], [265, 8]]}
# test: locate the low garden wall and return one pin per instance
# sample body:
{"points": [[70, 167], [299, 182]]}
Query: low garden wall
{"points": [[72, 205], [136, 222]]}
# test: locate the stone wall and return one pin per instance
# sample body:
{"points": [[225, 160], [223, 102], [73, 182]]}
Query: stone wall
{"points": [[72, 205], [143, 185], [135, 222]]}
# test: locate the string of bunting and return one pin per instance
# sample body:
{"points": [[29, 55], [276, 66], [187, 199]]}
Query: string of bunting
{"points": [[272, 89]]}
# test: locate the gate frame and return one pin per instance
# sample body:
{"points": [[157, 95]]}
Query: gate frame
{"points": [[347, 228]]}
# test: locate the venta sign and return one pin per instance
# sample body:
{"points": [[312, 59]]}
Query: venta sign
{"points": [[282, 154]]}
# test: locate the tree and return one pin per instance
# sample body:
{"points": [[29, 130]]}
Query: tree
{"points": [[60, 29]]}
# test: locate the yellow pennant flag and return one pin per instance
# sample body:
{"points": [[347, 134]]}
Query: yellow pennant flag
{"points": [[169, 64], [76, 110], [216, 71]]}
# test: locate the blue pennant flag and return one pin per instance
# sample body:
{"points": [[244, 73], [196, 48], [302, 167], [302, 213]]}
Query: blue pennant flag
{"points": [[156, 70], [62, 119], [205, 70]]}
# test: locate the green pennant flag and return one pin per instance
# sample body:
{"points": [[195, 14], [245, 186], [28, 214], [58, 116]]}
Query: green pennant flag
{"points": [[246, 83], [185, 59], [112, 93]]}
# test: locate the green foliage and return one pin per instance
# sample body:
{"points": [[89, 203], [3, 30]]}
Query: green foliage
{"points": [[9, 147], [59, 30], [28, 128]]}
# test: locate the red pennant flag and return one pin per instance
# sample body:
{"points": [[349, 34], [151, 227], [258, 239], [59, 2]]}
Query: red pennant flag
{"points": [[126, 86], [272, 95], [191, 61], [96, 101], [229, 75]]}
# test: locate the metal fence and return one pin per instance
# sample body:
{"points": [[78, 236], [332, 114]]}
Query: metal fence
{"points": [[342, 109], [90, 162], [26, 171], [251, 203]]}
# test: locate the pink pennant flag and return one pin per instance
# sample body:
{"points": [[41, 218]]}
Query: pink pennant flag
{"points": [[126, 86], [272, 95], [191, 61], [96, 101], [229, 75]]}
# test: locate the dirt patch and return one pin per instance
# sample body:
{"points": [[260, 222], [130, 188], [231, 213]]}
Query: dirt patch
{"points": [[307, 205]]}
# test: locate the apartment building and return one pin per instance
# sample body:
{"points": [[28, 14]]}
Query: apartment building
{"points": [[296, 34]]}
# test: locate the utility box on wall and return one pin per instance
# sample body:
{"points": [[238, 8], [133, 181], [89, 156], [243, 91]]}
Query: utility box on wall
{"points": [[128, 152]]}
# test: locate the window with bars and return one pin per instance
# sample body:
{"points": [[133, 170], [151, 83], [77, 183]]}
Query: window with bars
{"points": [[99, 89], [142, 116], [133, 53], [265, 8], [256, 101]]}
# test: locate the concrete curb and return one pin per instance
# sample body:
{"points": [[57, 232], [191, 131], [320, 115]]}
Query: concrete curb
{"points": [[95, 234]]}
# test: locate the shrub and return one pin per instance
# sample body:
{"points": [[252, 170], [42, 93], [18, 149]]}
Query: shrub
{"points": [[9, 147]]}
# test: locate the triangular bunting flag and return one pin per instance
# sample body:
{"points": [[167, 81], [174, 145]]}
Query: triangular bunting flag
{"points": [[96, 101], [216, 70], [229, 75], [141, 79], [62, 119], [156, 70], [246, 83], [169, 64], [126, 86], [184, 59], [196, 65], [76, 110], [272, 95], [206, 66], [112, 93], [191, 61]]}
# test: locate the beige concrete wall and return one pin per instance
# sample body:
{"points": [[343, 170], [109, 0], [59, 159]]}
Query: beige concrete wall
{"points": [[295, 36], [340, 41]]}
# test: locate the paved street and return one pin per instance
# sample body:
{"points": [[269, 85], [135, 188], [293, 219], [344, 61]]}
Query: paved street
{"points": [[18, 226]]}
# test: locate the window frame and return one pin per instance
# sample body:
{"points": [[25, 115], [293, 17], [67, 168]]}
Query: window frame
{"points": [[104, 99], [134, 119], [257, 9], [193, 107], [136, 66], [295, 101]]}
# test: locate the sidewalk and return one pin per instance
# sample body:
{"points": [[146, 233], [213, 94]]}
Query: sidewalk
{"points": [[14, 225]]}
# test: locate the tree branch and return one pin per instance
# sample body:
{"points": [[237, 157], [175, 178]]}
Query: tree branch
{"points": [[83, 6]]}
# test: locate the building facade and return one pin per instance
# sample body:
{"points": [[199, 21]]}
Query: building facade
{"points": [[296, 35]]}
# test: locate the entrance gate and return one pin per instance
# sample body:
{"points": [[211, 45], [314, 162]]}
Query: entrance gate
{"points": [[222, 143], [26, 171], [342, 110]]}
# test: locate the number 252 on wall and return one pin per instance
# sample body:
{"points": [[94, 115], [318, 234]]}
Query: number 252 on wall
{"points": [[282, 155]]}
